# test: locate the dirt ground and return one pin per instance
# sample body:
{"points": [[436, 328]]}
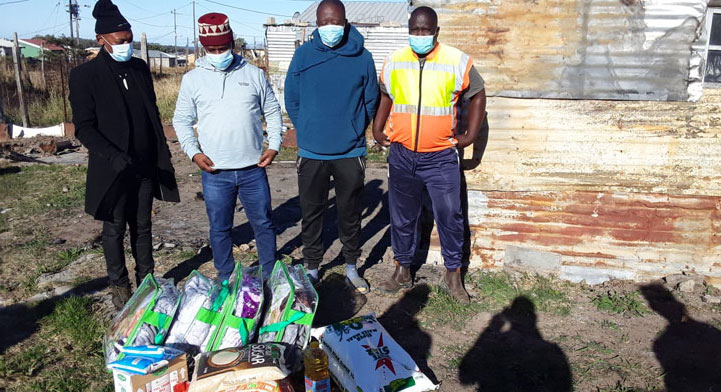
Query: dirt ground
{"points": [[522, 332]]}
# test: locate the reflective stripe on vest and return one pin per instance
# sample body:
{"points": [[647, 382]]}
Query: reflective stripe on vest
{"points": [[436, 88]]}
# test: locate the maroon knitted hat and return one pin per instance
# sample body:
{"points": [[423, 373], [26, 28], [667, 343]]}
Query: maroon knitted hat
{"points": [[214, 29]]}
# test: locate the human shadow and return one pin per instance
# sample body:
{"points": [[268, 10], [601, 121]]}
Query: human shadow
{"points": [[401, 323], [689, 351], [512, 356], [340, 300], [20, 321]]}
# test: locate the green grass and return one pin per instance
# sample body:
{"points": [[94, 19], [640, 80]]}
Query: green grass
{"points": [[73, 318], [595, 347], [628, 304], [38, 189], [499, 289], [608, 324], [63, 355], [442, 308]]}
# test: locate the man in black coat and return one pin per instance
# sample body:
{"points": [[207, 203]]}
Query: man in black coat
{"points": [[116, 117]]}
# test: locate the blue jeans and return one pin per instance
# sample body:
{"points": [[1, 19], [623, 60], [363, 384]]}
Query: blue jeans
{"points": [[220, 189]]}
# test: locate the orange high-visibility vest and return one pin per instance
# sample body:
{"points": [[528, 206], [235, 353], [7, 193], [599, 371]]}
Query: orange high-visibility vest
{"points": [[425, 99]]}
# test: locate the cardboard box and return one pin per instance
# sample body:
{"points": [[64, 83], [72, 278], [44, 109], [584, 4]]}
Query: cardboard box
{"points": [[163, 380]]}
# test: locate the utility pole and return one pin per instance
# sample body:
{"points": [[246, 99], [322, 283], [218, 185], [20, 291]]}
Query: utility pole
{"points": [[187, 54], [195, 39], [70, 11], [76, 14], [18, 80], [175, 31], [144, 49]]}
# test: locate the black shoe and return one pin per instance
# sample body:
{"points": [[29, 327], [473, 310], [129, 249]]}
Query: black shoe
{"points": [[121, 295]]}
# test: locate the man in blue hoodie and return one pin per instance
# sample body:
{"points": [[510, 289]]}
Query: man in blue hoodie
{"points": [[331, 95], [227, 96]]}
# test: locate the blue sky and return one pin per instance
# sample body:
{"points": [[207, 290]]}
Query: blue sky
{"points": [[153, 17]]}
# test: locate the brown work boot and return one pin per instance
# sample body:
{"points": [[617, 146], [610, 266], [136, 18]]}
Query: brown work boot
{"points": [[121, 295], [453, 283], [401, 279]]}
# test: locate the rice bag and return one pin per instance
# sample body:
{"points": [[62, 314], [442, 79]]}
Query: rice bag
{"points": [[240, 323], [292, 305], [363, 356], [145, 319], [199, 314], [231, 368]]}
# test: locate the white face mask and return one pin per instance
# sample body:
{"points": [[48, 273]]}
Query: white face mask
{"points": [[121, 52]]}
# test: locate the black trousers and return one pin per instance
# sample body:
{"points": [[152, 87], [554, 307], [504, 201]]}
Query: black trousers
{"points": [[133, 209], [313, 186]]}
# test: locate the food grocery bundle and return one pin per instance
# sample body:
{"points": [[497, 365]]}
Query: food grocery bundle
{"points": [[246, 335]]}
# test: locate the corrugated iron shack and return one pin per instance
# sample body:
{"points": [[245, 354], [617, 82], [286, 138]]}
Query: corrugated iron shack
{"points": [[603, 147], [384, 25]]}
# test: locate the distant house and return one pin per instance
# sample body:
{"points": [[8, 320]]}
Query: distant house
{"points": [[6, 48], [31, 48], [158, 58]]}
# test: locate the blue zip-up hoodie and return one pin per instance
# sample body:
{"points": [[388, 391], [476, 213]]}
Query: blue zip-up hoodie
{"points": [[228, 106], [331, 95]]}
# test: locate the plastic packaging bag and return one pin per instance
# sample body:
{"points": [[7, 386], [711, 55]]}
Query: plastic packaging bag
{"points": [[240, 323], [292, 305], [145, 318], [137, 365], [199, 313], [230, 368], [363, 356]]}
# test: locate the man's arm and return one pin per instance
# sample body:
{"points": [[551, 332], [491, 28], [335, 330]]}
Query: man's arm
{"points": [[86, 123], [183, 119], [371, 95], [291, 92], [273, 119], [379, 123], [476, 109]]}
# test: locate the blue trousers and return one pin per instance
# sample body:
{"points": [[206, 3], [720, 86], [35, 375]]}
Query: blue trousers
{"points": [[220, 190], [439, 172]]}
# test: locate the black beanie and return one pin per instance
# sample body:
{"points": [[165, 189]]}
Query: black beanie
{"points": [[108, 18]]}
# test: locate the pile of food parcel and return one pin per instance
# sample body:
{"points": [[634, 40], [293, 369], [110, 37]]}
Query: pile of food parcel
{"points": [[247, 335]]}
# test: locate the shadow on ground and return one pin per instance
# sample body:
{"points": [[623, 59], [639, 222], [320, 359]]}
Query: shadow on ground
{"points": [[689, 351], [510, 355]]}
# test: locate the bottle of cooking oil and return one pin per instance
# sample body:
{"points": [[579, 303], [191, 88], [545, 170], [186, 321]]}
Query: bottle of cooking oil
{"points": [[315, 361]]}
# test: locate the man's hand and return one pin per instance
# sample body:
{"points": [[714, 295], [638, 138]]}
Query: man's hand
{"points": [[381, 138], [267, 157], [203, 162], [379, 123]]}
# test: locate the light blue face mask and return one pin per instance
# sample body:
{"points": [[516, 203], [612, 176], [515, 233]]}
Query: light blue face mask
{"points": [[331, 34], [220, 61], [421, 44], [121, 53]]}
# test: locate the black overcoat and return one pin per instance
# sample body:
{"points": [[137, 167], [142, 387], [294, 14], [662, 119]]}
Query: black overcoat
{"points": [[101, 124]]}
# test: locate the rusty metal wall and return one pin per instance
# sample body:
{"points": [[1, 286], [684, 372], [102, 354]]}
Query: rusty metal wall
{"points": [[580, 49], [593, 190]]}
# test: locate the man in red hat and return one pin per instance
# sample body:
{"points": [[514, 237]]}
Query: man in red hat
{"points": [[117, 119], [228, 96]]}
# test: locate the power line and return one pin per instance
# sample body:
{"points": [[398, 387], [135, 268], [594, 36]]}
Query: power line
{"points": [[246, 9], [13, 2]]}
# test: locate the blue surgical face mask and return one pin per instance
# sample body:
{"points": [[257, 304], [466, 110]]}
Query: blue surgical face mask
{"points": [[220, 61], [421, 44], [331, 34], [121, 53]]}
